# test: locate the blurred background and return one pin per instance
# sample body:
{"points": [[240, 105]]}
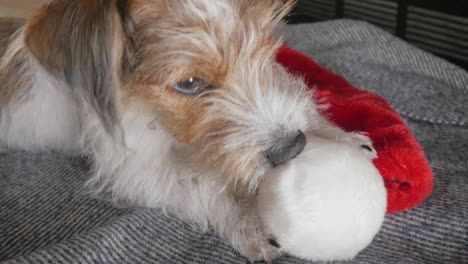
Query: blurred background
{"points": [[438, 26], [18, 8]]}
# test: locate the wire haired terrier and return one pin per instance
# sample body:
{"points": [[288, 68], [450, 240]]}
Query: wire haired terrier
{"points": [[179, 103]]}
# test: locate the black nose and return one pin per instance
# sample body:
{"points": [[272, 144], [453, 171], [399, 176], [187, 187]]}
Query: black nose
{"points": [[286, 149]]}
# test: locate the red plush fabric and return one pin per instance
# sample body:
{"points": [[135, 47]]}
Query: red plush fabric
{"points": [[401, 160]]}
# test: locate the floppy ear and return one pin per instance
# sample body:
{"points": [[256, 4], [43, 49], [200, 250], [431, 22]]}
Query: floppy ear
{"points": [[83, 42]]}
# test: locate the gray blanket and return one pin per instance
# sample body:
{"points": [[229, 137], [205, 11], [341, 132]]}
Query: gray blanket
{"points": [[47, 217]]}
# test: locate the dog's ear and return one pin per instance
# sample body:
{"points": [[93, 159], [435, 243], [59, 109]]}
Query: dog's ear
{"points": [[83, 42]]}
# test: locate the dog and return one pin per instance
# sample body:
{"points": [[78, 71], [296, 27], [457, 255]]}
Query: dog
{"points": [[180, 104]]}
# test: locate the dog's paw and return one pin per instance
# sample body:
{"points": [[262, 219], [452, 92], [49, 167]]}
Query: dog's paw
{"points": [[251, 240], [261, 248], [363, 142]]}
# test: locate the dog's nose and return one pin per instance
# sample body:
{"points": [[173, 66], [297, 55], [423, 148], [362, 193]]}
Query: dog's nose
{"points": [[286, 149]]}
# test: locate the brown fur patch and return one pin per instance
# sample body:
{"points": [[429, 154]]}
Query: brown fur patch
{"points": [[160, 60], [10, 82], [8, 26], [52, 33], [82, 43], [8, 79], [173, 44]]}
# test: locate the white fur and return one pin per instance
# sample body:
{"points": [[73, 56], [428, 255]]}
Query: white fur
{"points": [[327, 204], [45, 116], [154, 170]]}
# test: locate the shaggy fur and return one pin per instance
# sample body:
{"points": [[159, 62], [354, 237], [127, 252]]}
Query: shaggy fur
{"points": [[176, 102]]}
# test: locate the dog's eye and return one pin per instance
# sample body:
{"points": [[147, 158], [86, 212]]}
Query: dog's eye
{"points": [[191, 86]]}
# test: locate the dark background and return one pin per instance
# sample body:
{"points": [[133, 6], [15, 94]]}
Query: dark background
{"points": [[438, 26]]}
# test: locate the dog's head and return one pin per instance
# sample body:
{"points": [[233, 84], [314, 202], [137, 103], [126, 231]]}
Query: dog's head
{"points": [[206, 68]]}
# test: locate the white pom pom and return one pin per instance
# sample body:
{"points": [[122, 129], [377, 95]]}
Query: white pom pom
{"points": [[327, 204]]}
